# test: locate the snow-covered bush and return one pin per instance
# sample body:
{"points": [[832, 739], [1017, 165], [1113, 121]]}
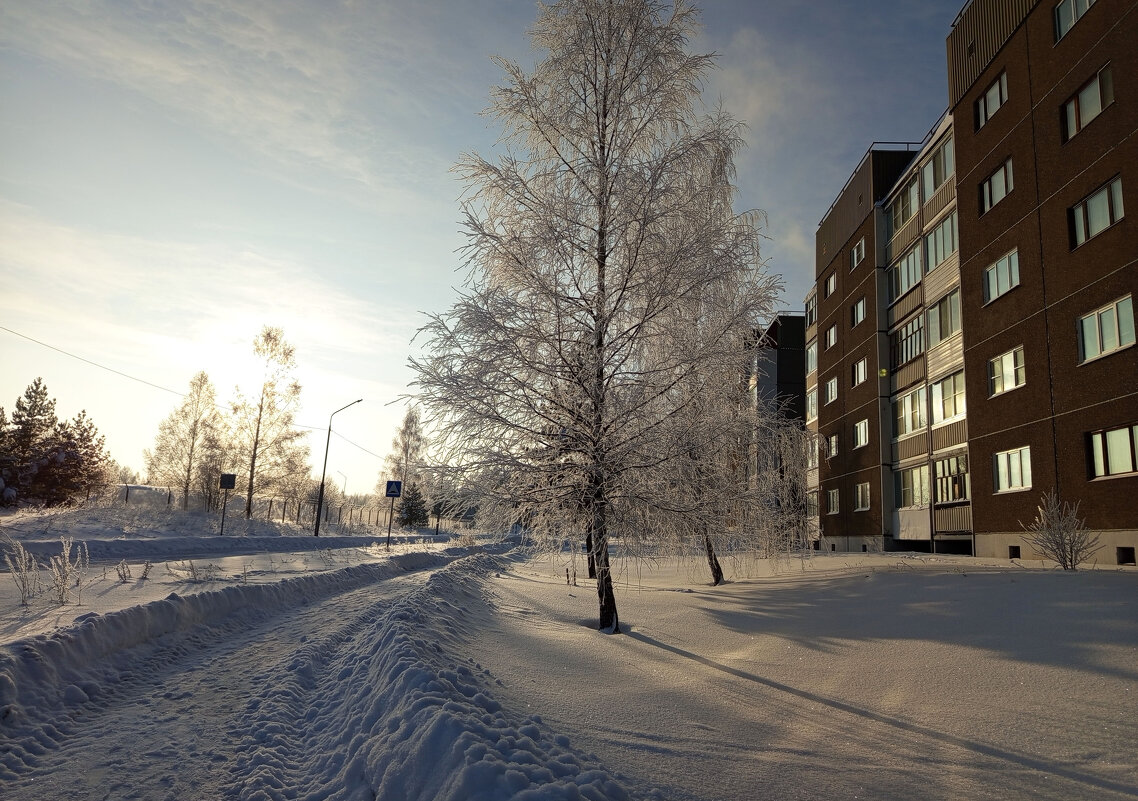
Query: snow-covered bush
{"points": [[1057, 532], [24, 569], [66, 573]]}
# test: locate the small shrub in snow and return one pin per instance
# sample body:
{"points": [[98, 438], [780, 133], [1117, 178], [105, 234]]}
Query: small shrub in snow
{"points": [[24, 569], [123, 569], [1057, 532], [145, 571], [66, 573], [184, 570]]}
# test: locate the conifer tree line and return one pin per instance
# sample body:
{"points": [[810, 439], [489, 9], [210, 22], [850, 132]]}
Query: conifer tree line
{"points": [[48, 461]]}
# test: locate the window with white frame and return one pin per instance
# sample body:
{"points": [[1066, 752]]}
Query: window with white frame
{"points": [[1087, 103], [904, 206], [937, 170], [997, 186], [812, 357], [831, 336], [907, 342], [857, 312], [905, 274], [831, 446], [812, 453], [941, 242], [830, 393], [948, 398], [811, 310], [944, 318], [1001, 276], [1012, 470], [861, 497], [859, 371], [1106, 330], [861, 433], [831, 285], [812, 403], [953, 483], [1097, 213], [989, 102], [1067, 13], [1114, 452], [1006, 372], [812, 503], [909, 412], [832, 502], [912, 486], [858, 253]]}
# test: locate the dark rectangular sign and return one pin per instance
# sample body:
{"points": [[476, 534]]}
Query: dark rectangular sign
{"points": [[394, 489], [228, 481]]}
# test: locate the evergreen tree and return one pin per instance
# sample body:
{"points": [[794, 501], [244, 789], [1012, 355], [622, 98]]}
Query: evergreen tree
{"points": [[33, 421], [412, 509]]}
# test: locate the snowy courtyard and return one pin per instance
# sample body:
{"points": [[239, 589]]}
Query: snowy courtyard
{"points": [[282, 667]]}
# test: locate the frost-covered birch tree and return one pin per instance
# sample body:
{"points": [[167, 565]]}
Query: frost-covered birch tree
{"points": [[610, 284], [180, 446]]}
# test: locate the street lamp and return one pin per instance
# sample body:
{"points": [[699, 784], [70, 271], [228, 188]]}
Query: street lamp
{"points": [[324, 471], [344, 486]]}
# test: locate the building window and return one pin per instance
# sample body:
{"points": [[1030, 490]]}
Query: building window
{"points": [[831, 285], [1113, 453], [861, 433], [941, 242], [912, 487], [952, 481], [948, 398], [858, 253], [811, 310], [812, 404], [812, 454], [989, 102], [859, 371], [907, 342], [812, 357], [944, 318], [909, 413], [1006, 372], [936, 170], [812, 503], [831, 336], [905, 274], [830, 394], [1067, 13], [1088, 103], [1107, 330], [861, 497], [904, 206], [857, 312], [1013, 470], [1001, 276], [997, 186], [1097, 213], [831, 446], [831, 502]]}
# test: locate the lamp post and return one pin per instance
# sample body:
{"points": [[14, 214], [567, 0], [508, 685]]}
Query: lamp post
{"points": [[324, 471]]}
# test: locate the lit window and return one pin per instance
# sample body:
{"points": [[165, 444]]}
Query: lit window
{"points": [[907, 342], [861, 433], [1001, 276], [936, 171], [831, 502], [1067, 13], [859, 371], [831, 336], [953, 483], [989, 102], [912, 487], [1006, 372], [944, 318], [941, 242], [1107, 329], [812, 357], [831, 285], [812, 404], [831, 391], [905, 274], [861, 497], [904, 206], [909, 412], [1113, 452], [1088, 103], [1097, 213], [812, 453], [948, 398], [857, 312], [1012, 470], [831, 446], [811, 310], [858, 253], [997, 186]]}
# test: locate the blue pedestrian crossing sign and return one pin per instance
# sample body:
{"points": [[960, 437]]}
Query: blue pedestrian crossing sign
{"points": [[394, 489]]}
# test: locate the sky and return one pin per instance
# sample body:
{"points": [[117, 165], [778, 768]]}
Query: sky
{"points": [[176, 175]]}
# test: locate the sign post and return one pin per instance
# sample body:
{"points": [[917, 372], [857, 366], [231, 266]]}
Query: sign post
{"points": [[394, 490], [228, 482]]}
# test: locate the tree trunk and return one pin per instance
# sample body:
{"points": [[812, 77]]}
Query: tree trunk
{"points": [[253, 458], [609, 620], [713, 561], [592, 559]]}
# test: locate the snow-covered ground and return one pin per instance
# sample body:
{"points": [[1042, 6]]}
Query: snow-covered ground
{"points": [[297, 668]]}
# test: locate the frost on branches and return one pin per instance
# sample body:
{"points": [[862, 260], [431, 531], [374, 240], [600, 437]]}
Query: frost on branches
{"points": [[590, 383]]}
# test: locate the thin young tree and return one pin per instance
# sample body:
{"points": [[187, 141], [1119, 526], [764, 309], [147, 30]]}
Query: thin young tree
{"points": [[607, 268], [408, 447], [179, 445], [1059, 534], [263, 430]]}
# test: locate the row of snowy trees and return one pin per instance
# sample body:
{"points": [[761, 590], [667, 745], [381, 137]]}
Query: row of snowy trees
{"points": [[254, 436], [45, 460]]}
